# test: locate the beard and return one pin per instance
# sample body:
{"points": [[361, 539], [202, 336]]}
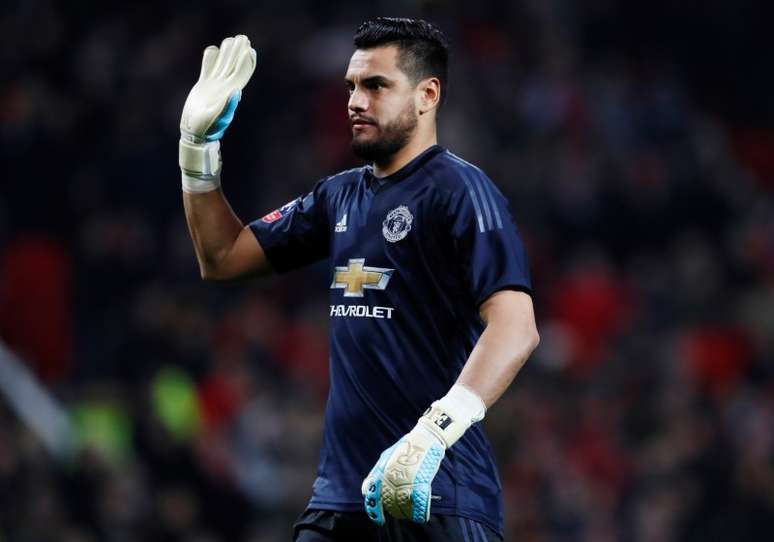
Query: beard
{"points": [[390, 138]]}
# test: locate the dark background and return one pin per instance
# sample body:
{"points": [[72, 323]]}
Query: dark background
{"points": [[635, 142]]}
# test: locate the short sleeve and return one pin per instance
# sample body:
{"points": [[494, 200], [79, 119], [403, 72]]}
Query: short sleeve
{"points": [[487, 242], [296, 234]]}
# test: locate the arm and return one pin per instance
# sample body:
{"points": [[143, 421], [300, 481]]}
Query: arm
{"points": [[504, 346], [225, 249], [400, 482]]}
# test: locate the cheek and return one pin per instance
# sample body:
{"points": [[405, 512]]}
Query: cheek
{"points": [[395, 107]]}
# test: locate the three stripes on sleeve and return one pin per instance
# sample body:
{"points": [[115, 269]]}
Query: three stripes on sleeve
{"points": [[481, 193]]}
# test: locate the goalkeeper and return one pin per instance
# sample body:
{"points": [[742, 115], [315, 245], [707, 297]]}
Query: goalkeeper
{"points": [[430, 297]]}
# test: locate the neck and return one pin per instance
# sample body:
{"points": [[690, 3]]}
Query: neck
{"points": [[416, 146]]}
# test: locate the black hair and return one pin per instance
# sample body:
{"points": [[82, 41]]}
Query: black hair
{"points": [[423, 50]]}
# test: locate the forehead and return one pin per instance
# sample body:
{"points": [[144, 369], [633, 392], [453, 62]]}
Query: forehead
{"points": [[375, 61]]}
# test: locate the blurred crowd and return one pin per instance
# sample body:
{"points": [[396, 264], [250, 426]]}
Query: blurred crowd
{"points": [[646, 414]]}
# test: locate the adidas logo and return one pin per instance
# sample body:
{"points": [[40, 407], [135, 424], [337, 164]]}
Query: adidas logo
{"points": [[341, 225]]}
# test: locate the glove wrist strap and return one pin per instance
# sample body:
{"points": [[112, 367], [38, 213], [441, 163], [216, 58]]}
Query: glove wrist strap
{"points": [[449, 417], [200, 164]]}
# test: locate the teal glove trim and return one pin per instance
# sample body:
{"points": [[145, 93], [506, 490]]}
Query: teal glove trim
{"points": [[420, 493], [373, 495], [224, 119]]}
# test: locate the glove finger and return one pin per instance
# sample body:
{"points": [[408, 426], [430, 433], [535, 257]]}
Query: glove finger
{"points": [[377, 470], [208, 61], [225, 50], [372, 488], [244, 69], [239, 44], [373, 500]]}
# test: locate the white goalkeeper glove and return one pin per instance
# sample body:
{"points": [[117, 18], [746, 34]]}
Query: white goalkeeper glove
{"points": [[400, 482], [209, 109]]}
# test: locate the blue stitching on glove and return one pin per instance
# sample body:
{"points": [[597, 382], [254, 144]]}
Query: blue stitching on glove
{"points": [[224, 119], [420, 492], [373, 498], [373, 502]]}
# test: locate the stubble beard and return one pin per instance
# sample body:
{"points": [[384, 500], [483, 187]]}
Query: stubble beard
{"points": [[393, 137]]}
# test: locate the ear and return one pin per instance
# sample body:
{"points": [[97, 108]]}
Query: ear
{"points": [[428, 95]]}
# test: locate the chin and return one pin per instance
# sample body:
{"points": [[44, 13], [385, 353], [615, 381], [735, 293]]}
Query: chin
{"points": [[362, 135], [360, 139]]}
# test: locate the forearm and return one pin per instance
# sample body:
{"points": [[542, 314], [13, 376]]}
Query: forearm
{"points": [[505, 345], [507, 341], [214, 228], [495, 361], [225, 249]]}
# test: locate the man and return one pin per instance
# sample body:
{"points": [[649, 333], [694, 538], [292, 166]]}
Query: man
{"points": [[431, 314]]}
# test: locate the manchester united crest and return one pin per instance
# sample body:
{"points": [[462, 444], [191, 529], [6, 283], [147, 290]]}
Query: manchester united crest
{"points": [[397, 224]]}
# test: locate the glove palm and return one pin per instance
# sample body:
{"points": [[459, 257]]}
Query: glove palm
{"points": [[400, 481]]}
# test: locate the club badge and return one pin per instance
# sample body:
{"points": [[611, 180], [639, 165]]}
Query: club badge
{"points": [[397, 224]]}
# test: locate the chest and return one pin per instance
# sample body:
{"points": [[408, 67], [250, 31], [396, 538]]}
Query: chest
{"points": [[389, 225]]}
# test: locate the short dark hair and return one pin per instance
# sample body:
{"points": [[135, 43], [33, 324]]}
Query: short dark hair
{"points": [[423, 50]]}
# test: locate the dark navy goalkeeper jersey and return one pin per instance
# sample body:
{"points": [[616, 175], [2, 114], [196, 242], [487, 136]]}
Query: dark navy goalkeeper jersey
{"points": [[412, 257]]}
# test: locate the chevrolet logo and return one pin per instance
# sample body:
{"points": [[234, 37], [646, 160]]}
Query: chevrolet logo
{"points": [[356, 277]]}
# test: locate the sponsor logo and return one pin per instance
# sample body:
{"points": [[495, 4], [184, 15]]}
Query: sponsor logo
{"points": [[341, 225], [361, 311], [397, 224], [354, 279], [357, 277], [443, 420], [439, 417], [410, 456]]}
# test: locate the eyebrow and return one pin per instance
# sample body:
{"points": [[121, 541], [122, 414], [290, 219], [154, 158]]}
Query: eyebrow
{"points": [[373, 79]]}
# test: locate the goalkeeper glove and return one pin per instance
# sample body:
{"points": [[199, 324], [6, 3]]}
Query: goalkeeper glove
{"points": [[209, 109], [400, 482]]}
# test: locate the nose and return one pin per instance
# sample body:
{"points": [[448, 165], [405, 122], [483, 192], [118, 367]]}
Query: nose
{"points": [[358, 101]]}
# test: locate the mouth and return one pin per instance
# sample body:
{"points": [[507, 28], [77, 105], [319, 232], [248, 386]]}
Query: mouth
{"points": [[361, 123]]}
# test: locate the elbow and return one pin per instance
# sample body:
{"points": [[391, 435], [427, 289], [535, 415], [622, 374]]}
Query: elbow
{"points": [[533, 340], [217, 279], [226, 274], [529, 339], [206, 275], [528, 343], [210, 274]]}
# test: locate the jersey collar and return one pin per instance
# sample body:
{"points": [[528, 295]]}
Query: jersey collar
{"points": [[403, 172]]}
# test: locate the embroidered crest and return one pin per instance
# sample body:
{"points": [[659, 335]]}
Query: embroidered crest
{"points": [[397, 224]]}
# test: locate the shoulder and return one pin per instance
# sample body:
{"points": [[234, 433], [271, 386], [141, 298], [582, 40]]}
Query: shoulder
{"points": [[455, 177], [333, 183]]}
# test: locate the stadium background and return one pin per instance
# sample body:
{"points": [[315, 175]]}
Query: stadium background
{"points": [[635, 142]]}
